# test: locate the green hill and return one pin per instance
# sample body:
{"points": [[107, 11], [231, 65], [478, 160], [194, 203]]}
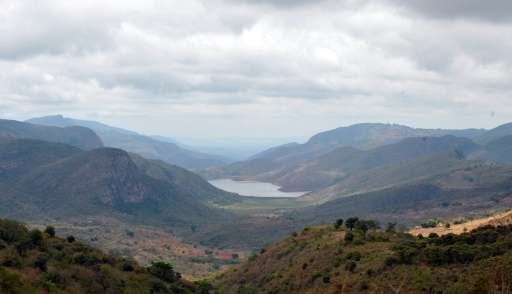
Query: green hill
{"points": [[328, 260], [32, 261], [42, 180], [80, 137]]}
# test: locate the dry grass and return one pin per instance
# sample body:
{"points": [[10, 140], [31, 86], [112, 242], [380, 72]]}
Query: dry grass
{"points": [[497, 219]]}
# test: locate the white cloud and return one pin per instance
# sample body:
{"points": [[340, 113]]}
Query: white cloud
{"points": [[245, 68]]}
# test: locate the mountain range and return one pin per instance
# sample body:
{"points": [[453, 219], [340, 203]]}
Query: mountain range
{"points": [[146, 146], [51, 174], [51, 180], [351, 154]]}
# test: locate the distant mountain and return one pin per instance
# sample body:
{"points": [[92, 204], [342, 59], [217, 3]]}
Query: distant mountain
{"points": [[146, 146], [77, 136], [344, 164], [334, 166], [494, 134], [474, 189], [368, 136], [498, 150], [41, 180], [269, 164]]}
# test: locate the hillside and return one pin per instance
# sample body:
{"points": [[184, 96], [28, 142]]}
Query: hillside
{"points": [[130, 141], [471, 190], [64, 182], [278, 164], [461, 225], [328, 260], [494, 134], [330, 168], [76, 136], [52, 183], [498, 150], [32, 261]]}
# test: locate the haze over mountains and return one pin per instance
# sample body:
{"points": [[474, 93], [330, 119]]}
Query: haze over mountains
{"points": [[149, 147]]}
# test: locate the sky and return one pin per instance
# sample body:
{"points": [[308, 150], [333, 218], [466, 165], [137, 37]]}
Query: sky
{"points": [[215, 69]]}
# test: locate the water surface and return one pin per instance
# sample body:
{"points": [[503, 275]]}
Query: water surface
{"points": [[253, 188]]}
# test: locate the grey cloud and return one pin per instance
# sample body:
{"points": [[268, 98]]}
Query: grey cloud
{"points": [[494, 11]]}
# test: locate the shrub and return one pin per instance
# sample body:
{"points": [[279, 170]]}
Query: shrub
{"points": [[50, 231], [350, 266], [338, 223], [350, 223], [71, 239], [349, 237], [164, 271], [36, 237], [432, 223], [354, 255], [391, 261], [41, 262]]}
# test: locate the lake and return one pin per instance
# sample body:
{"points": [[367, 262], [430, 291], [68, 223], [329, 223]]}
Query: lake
{"points": [[253, 188]]}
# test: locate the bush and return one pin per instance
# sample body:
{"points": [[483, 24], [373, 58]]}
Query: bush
{"points": [[349, 237], [71, 239], [164, 271], [338, 223], [351, 222], [36, 237], [354, 255], [41, 262], [350, 266], [391, 261], [50, 231]]}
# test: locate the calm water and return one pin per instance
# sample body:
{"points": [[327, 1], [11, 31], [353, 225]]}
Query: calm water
{"points": [[252, 188]]}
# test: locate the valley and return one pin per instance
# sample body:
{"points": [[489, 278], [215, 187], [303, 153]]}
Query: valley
{"points": [[129, 204]]}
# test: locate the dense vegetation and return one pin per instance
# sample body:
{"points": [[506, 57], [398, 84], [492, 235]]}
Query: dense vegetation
{"points": [[32, 261], [355, 256]]}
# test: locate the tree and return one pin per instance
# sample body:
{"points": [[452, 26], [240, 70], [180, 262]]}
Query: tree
{"points": [[363, 226], [164, 271], [351, 222], [36, 237], [50, 231], [391, 227], [338, 223]]}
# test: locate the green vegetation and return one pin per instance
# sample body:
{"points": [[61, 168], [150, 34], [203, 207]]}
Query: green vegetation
{"points": [[32, 261], [324, 259]]}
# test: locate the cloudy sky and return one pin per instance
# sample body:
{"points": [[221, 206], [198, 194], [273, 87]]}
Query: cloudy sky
{"points": [[247, 68]]}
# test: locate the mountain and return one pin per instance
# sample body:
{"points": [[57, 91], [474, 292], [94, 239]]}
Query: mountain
{"points": [[496, 133], [39, 262], [145, 146], [42, 180], [498, 150], [267, 165], [342, 163], [326, 259], [368, 136], [328, 169], [475, 189], [77, 136]]}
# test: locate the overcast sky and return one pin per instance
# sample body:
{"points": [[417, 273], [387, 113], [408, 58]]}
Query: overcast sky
{"points": [[247, 68]]}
